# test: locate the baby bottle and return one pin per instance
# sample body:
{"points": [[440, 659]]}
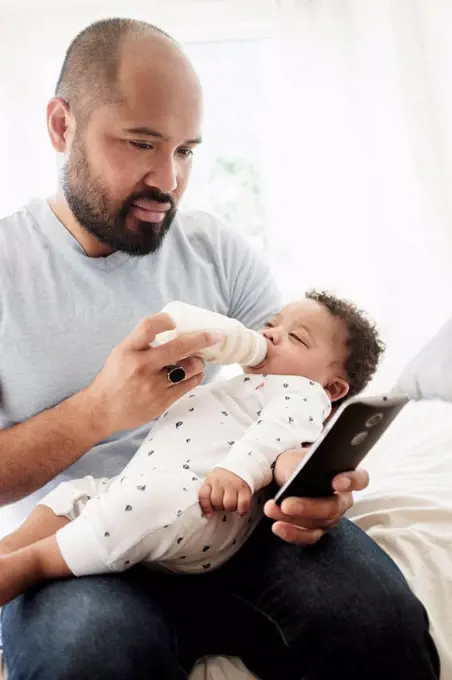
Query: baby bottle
{"points": [[239, 345]]}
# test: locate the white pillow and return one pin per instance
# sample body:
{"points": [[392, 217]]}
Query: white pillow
{"points": [[429, 374]]}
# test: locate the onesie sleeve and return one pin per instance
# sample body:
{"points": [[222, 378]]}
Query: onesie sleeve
{"points": [[292, 416]]}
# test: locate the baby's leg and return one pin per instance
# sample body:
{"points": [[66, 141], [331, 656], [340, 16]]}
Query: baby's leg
{"points": [[62, 504], [156, 519], [31, 554], [69, 498], [25, 567], [41, 523], [131, 514], [134, 522]]}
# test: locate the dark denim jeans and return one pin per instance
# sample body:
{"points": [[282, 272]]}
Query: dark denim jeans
{"points": [[338, 610]]}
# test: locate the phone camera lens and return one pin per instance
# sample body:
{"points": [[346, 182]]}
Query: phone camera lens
{"points": [[374, 420], [359, 438]]}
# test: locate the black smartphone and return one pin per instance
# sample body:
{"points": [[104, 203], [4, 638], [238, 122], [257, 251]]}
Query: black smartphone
{"points": [[348, 436]]}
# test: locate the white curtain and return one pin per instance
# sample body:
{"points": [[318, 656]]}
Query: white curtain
{"points": [[362, 134], [343, 108]]}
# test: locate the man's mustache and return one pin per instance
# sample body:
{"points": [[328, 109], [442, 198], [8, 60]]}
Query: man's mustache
{"points": [[153, 195]]}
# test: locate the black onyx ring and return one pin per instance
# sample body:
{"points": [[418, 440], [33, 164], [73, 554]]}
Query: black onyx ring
{"points": [[175, 374]]}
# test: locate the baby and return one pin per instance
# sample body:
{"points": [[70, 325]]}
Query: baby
{"points": [[194, 490]]}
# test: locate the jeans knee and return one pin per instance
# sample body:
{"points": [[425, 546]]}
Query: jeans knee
{"points": [[108, 651], [103, 650], [376, 609], [386, 629], [392, 612], [401, 622], [100, 628]]}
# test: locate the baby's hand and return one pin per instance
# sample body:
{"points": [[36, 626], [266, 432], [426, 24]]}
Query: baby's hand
{"points": [[223, 490]]}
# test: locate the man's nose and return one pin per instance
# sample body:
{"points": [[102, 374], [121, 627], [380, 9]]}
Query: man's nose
{"points": [[163, 174]]}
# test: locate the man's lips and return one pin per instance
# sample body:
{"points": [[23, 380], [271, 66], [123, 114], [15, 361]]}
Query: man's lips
{"points": [[149, 211]]}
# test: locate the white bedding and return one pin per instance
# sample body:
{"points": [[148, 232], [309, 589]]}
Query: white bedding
{"points": [[407, 510]]}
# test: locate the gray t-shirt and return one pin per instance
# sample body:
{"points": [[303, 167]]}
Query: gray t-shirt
{"points": [[61, 314]]}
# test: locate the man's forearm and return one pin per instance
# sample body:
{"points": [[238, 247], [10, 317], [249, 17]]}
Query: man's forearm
{"points": [[34, 452]]}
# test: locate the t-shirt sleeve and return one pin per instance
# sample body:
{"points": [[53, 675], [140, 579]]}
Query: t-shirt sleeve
{"points": [[293, 415], [3, 419], [254, 294]]}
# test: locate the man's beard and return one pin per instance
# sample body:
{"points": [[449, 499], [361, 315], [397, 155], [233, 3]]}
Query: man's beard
{"points": [[106, 220]]}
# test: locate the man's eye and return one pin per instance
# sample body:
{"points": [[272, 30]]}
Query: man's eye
{"points": [[144, 146], [268, 324], [185, 152]]}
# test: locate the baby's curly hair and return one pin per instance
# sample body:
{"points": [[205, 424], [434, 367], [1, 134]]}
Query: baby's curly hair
{"points": [[364, 344]]}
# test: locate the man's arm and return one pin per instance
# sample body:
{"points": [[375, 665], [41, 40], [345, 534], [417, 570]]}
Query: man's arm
{"points": [[131, 390], [36, 451]]}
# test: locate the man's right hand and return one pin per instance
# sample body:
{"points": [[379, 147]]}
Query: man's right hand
{"points": [[133, 387]]}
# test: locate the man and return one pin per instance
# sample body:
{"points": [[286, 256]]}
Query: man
{"points": [[76, 274]]}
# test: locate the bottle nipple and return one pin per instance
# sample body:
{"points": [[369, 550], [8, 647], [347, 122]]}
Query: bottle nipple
{"points": [[258, 351]]}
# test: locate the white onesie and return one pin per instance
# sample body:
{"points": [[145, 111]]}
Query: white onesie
{"points": [[151, 513]]}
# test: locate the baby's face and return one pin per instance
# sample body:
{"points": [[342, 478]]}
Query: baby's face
{"points": [[305, 339]]}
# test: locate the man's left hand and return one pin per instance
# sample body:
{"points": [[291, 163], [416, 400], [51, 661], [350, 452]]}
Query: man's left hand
{"points": [[305, 520]]}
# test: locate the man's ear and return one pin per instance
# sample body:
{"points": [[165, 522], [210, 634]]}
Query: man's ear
{"points": [[337, 389], [59, 123]]}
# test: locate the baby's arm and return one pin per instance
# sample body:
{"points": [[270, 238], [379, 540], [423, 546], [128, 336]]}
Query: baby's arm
{"points": [[293, 415]]}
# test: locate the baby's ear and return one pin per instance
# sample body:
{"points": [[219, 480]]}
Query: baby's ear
{"points": [[337, 389]]}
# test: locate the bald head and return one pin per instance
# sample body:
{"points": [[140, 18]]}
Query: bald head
{"points": [[127, 117], [94, 62]]}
